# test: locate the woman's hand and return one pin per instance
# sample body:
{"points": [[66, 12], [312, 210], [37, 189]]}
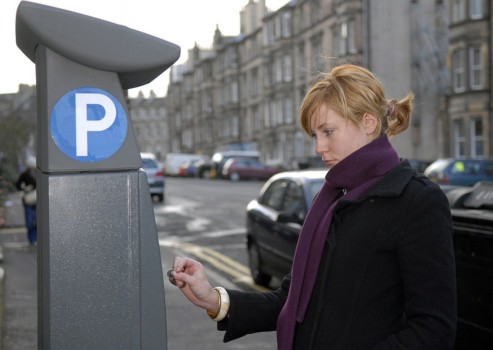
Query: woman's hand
{"points": [[189, 275]]}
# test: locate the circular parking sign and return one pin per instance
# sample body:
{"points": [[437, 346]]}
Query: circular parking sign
{"points": [[88, 124]]}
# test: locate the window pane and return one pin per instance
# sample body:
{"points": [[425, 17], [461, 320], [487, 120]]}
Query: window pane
{"points": [[476, 8], [294, 200], [458, 70], [351, 37], [274, 195], [459, 139], [477, 139], [458, 10], [476, 68], [342, 38]]}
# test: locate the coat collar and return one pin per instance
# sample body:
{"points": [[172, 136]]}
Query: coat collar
{"points": [[394, 182], [391, 185]]}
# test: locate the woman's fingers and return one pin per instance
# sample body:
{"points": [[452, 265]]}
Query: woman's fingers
{"points": [[185, 271], [171, 278], [177, 280]]}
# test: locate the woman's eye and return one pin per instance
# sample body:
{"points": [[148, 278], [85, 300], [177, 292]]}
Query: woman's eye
{"points": [[328, 132]]}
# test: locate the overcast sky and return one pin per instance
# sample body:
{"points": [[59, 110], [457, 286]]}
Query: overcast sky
{"points": [[182, 22]]}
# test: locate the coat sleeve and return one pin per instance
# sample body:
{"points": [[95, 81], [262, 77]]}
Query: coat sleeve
{"points": [[20, 181], [253, 312], [427, 264]]}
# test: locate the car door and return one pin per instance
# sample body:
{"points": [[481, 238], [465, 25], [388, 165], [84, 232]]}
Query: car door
{"points": [[255, 169], [265, 228]]}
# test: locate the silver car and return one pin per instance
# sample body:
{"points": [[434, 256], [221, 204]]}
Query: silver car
{"points": [[155, 175]]}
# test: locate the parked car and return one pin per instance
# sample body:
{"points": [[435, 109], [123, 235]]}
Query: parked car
{"points": [[472, 218], [155, 175], [189, 167], [274, 221], [203, 168], [237, 169], [174, 160], [220, 158], [460, 171], [182, 170]]}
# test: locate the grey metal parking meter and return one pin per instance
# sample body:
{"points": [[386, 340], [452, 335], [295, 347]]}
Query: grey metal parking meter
{"points": [[100, 280]]}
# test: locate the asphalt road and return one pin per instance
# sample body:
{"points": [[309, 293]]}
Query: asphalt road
{"points": [[208, 213]]}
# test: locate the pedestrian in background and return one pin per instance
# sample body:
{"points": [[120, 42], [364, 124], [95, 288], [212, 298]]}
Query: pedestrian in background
{"points": [[27, 184], [374, 265]]}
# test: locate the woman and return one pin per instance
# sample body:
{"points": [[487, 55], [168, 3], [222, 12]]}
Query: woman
{"points": [[374, 265], [27, 183]]}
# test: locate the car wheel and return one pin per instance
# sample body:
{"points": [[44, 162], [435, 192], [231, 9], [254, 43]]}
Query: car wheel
{"points": [[160, 197], [254, 263], [206, 174], [235, 177]]}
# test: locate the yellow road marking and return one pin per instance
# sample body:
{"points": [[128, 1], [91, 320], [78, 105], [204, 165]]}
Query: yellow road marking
{"points": [[239, 272]]}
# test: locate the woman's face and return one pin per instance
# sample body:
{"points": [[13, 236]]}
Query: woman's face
{"points": [[337, 137]]}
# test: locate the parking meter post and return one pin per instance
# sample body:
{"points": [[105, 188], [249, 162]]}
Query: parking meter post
{"points": [[100, 281]]}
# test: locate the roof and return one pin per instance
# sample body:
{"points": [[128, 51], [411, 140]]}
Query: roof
{"points": [[306, 174]]}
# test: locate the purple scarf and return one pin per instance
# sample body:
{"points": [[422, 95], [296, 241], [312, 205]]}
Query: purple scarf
{"points": [[355, 174]]}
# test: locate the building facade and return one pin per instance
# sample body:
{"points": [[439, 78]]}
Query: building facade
{"points": [[150, 123], [245, 91], [469, 101]]}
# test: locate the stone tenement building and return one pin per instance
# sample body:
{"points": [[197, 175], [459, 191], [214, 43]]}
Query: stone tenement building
{"points": [[245, 91], [468, 107], [150, 123]]}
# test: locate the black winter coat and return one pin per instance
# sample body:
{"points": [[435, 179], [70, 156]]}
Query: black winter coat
{"points": [[387, 278]]}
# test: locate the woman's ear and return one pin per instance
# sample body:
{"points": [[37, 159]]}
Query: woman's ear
{"points": [[370, 123]]}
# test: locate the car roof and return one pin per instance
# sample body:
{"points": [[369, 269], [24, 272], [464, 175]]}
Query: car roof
{"points": [[147, 155], [302, 174], [465, 158]]}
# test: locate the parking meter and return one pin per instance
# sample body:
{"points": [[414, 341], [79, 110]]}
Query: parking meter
{"points": [[100, 280]]}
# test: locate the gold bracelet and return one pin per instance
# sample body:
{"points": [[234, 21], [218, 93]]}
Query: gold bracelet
{"points": [[211, 314], [223, 305]]}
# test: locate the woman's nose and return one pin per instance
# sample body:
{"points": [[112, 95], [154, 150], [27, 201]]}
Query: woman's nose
{"points": [[320, 147]]}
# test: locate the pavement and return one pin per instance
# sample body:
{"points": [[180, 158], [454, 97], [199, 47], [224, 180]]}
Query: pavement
{"points": [[188, 327], [18, 290], [18, 280]]}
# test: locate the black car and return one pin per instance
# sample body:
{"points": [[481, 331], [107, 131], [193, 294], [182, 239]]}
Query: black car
{"points": [[203, 168], [274, 221]]}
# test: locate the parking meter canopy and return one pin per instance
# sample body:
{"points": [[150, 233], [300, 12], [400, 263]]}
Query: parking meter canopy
{"points": [[138, 58]]}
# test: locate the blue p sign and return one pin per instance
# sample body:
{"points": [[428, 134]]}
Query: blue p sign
{"points": [[88, 124]]}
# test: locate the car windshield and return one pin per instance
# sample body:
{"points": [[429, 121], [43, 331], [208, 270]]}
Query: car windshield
{"points": [[149, 164]]}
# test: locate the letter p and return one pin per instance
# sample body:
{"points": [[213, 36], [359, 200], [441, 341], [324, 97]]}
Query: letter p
{"points": [[83, 125]]}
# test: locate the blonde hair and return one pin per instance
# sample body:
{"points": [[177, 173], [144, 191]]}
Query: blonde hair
{"points": [[353, 91]]}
